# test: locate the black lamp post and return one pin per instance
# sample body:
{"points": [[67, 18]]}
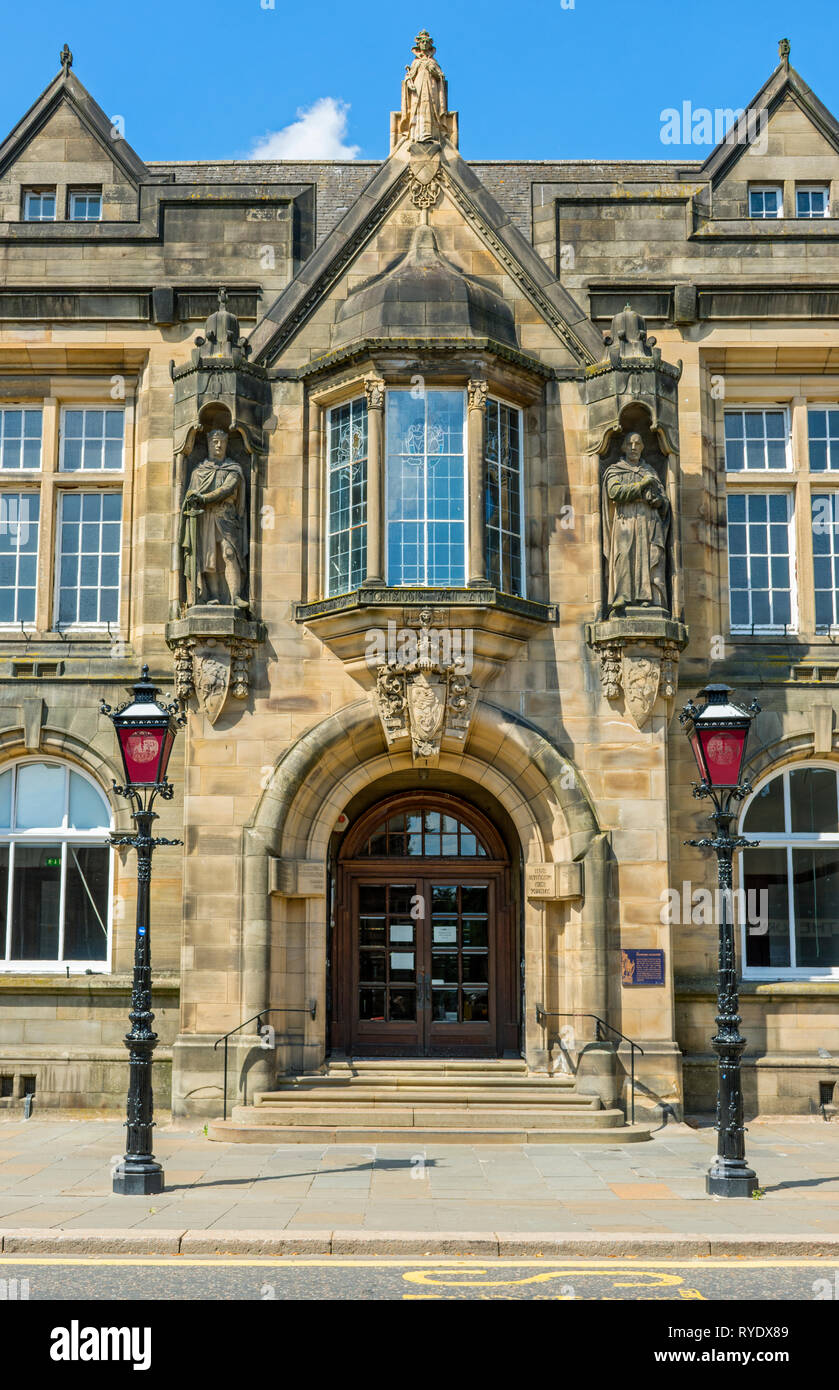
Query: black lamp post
{"points": [[145, 732], [718, 733]]}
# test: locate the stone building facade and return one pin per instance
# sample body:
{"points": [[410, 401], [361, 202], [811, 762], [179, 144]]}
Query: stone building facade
{"points": [[433, 537]]}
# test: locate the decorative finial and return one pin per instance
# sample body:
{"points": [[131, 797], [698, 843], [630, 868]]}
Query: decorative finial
{"points": [[66, 58], [783, 51]]}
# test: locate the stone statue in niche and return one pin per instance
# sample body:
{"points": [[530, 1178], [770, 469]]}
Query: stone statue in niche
{"points": [[213, 534], [636, 533], [424, 102]]}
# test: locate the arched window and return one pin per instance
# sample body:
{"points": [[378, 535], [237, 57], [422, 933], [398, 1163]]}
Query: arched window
{"points": [[790, 925], [423, 833], [54, 869]]}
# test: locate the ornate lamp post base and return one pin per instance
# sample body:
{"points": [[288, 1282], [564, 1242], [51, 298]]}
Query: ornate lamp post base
{"points": [[730, 1177], [141, 1177]]}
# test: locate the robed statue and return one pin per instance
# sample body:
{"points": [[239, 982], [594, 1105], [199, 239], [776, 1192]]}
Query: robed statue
{"points": [[424, 100], [636, 533], [213, 534]]}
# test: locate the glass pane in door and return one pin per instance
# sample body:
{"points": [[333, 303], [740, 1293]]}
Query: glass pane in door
{"points": [[459, 953], [387, 953]]}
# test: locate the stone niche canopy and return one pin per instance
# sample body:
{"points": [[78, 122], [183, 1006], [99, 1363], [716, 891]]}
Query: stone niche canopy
{"points": [[217, 393], [632, 402]]}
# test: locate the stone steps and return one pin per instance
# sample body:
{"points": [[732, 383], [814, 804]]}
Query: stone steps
{"points": [[414, 1101], [251, 1132], [399, 1115], [405, 1094]]}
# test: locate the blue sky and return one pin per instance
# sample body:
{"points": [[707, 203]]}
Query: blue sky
{"points": [[588, 79]]}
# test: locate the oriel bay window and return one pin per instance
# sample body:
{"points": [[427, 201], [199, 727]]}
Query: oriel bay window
{"points": [[424, 490]]}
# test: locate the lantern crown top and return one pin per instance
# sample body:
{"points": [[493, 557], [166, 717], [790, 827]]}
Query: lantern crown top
{"points": [[717, 707], [144, 703]]}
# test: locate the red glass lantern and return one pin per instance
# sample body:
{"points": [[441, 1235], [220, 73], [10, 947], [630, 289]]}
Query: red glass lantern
{"points": [[718, 734], [145, 732]]}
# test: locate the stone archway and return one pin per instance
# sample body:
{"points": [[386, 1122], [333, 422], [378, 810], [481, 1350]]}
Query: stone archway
{"points": [[545, 798]]}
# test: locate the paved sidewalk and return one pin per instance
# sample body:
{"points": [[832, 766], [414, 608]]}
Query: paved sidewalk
{"points": [[55, 1175]]}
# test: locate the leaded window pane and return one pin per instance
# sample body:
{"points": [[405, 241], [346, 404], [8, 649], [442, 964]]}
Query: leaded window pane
{"points": [[347, 491], [426, 493], [502, 488]]}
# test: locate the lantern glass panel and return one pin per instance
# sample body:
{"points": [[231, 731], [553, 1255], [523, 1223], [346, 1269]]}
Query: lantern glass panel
{"points": [[141, 752], [697, 753], [723, 749]]}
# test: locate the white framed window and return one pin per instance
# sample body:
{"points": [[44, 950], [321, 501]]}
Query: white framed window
{"points": [[766, 200], [825, 513], [91, 439], [88, 561], [19, 527], [503, 489], [761, 571], [39, 205], [346, 530], [812, 200], [757, 440], [794, 931], [85, 205], [55, 869], [20, 437], [823, 438], [426, 498]]}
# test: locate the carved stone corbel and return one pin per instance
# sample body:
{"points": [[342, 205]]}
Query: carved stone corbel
{"points": [[426, 699], [639, 660]]}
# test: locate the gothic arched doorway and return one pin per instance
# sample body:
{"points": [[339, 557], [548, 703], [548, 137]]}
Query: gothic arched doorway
{"points": [[424, 945]]}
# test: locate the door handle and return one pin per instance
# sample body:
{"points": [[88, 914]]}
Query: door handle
{"points": [[423, 990]]}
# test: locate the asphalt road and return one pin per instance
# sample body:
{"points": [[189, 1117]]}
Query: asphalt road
{"points": [[172, 1278]]}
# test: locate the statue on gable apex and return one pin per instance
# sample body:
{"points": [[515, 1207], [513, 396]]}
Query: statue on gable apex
{"points": [[424, 93]]}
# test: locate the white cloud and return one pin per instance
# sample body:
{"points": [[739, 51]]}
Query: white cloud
{"points": [[318, 133]]}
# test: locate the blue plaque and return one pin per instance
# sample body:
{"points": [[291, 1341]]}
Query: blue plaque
{"points": [[642, 967]]}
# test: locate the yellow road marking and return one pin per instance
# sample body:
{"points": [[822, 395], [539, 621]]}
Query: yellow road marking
{"points": [[423, 1276]]}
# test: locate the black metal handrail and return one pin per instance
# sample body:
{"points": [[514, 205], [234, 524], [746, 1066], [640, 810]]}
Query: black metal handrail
{"points": [[542, 1015], [257, 1018]]}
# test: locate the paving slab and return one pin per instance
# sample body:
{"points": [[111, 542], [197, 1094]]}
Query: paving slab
{"points": [[56, 1176]]}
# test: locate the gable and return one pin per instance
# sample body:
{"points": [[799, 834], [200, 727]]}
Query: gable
{"points": [[787, 147], [64, 154], [472, 239], [65, 140]]}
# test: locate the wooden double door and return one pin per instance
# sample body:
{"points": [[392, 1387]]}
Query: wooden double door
{"points": [[424, 959]]}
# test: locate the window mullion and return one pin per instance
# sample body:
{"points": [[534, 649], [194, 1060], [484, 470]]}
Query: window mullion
{"points": [[793, 951], [62, 893], [9, 895]]}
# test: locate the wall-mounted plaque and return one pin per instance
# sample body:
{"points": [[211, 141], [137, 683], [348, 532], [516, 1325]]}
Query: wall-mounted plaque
{"points": [[554, 881], [642, 967]]}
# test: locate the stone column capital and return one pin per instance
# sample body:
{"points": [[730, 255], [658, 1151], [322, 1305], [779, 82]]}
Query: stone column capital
{"points": [[477, 391], [374, 390]]}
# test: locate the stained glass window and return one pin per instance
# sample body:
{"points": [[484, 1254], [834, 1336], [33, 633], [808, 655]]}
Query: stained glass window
{"points": [[502, 480], [426, 488], [347, 526]]}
